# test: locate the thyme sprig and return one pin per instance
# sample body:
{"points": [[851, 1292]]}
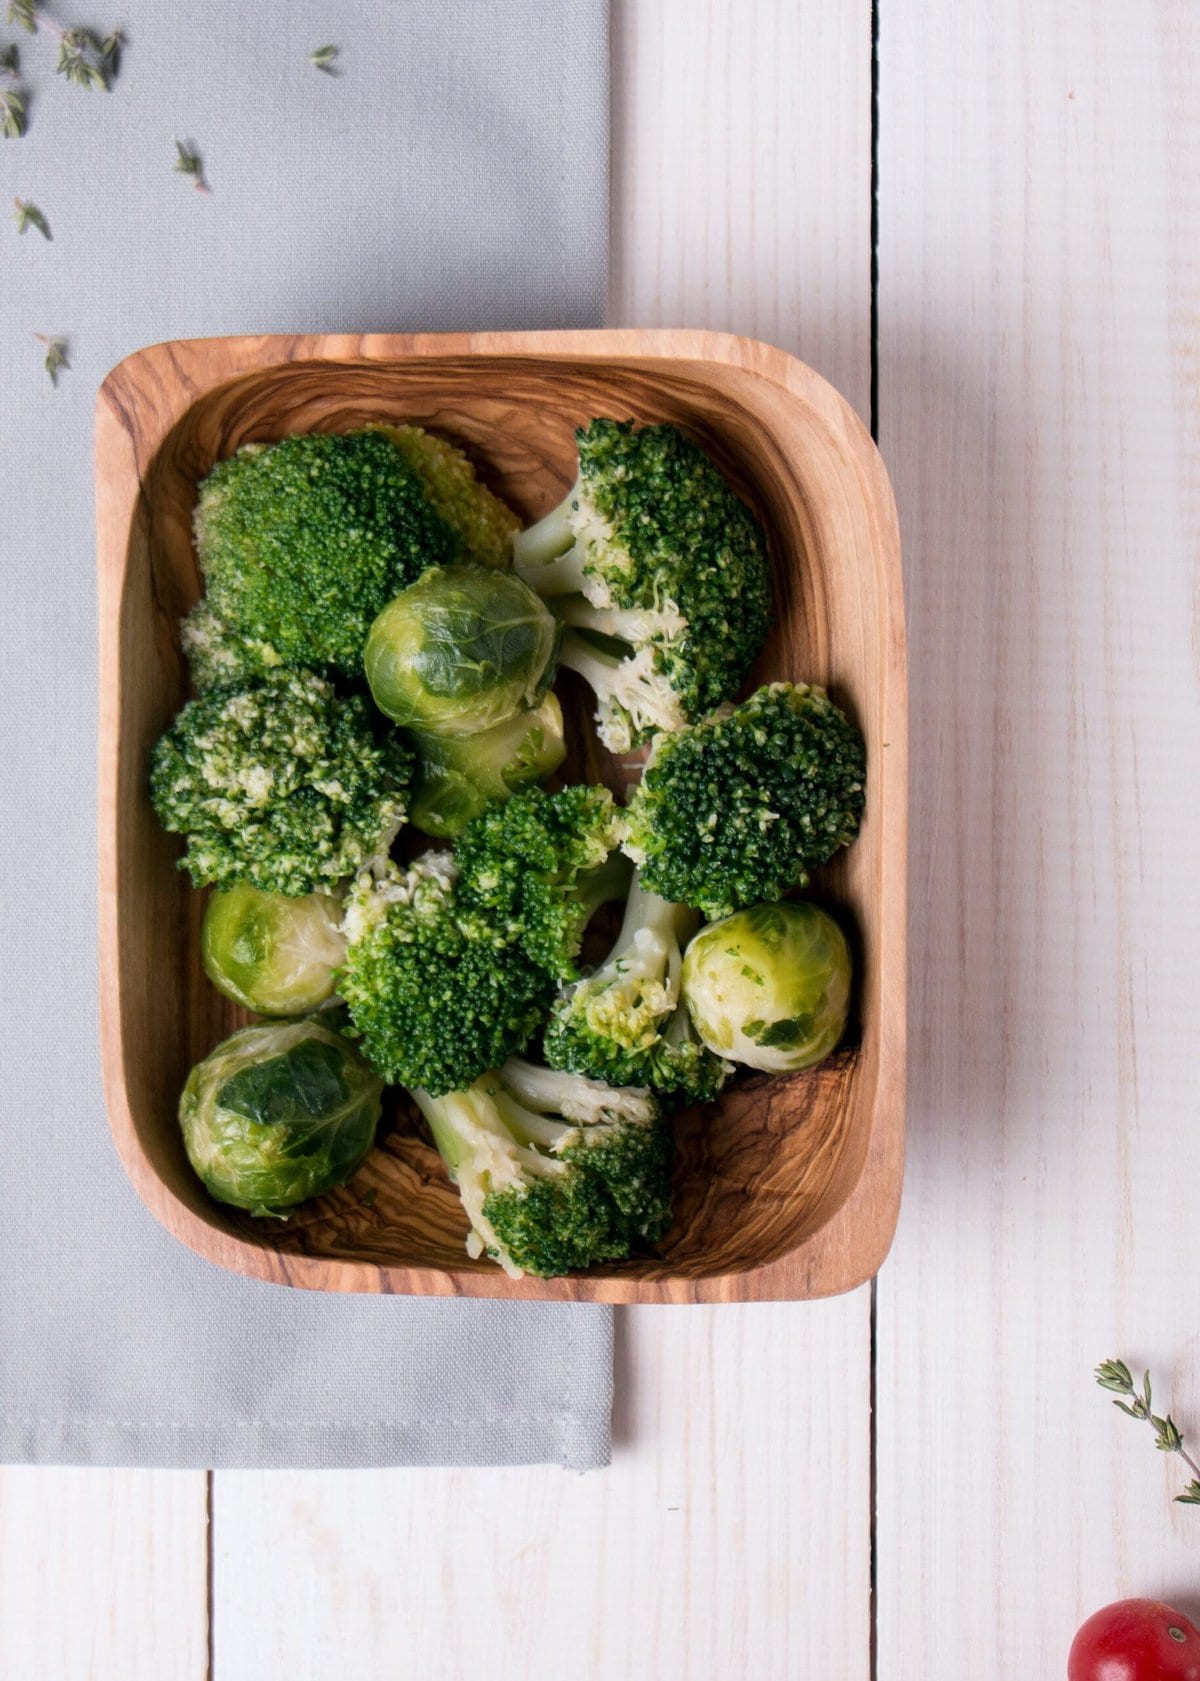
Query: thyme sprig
{"points": [[87, 59], [56, 355], [84, 57], [12, 114], [27, 215], [189, 162], [1168, 1438]]}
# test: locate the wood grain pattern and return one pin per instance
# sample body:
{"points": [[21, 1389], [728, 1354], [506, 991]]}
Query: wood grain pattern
{"points": [[1039, 240], [728, 1538], [103, 1575], [787, 1187]]}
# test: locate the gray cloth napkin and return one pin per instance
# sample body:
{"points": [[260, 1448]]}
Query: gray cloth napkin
{"points": [[452, 174]]}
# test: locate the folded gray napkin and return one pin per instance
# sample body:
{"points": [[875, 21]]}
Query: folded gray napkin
{"points": [[451, 174]]}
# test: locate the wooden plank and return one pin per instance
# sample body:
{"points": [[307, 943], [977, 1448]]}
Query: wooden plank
{"points": [[1039, 225], [741, 157], [103, 1575], [731, 1534]]}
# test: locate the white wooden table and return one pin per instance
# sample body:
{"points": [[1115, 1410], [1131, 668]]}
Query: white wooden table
{"points": [[917, 1480]]}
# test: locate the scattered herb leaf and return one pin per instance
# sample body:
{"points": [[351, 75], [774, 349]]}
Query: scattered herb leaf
{"points": [[24, 12], [1168, 1438], [110, 52], [56, 355], [12, 115], [79, 54], [324, 58], [10, 60], [27, 216], [189, 162]]}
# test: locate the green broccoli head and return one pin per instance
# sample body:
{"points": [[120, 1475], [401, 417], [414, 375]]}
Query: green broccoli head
{"points": [[625, 1023], [483, 526], [735, 810], [662, 573], [437, 990], [301, 544], [216, 656], [281, 784], [538, 865], [555, 1172]]}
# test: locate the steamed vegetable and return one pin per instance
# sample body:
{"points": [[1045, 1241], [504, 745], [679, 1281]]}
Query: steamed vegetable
{"points": [[555, 1172], [624, 1022], [482, 526], [283, 785], [541, 865], [270, 953], [460, 650], [278, 1113], [377, 561], [301, 544], [738, 808], [458, 776], [770, 986], [660, 571], [438, 990]]}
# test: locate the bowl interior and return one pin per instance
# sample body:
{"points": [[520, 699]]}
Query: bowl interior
{"points": [[766, 1167]]}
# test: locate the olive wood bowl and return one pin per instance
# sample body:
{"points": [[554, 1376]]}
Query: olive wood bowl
{"points": [[788, 1187]]}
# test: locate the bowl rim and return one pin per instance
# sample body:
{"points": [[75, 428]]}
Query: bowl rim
{"points": [[165, 380]]}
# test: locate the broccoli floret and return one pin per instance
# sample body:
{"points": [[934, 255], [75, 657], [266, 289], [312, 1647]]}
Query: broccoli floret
{"points": [[216, 656], [555, 1171], [625, 1023], [539, 864], [735, 810], [482, 524], [301, 544], [652, 552], [438, 991], [281, 784]]}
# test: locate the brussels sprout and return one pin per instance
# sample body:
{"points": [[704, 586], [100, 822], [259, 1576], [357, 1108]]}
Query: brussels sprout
{"points": [[462, 649], [769, 986], [270, 953], [278, 1113], [458, 774]]}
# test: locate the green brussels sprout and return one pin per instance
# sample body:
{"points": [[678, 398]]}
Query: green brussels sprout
{"points": [[279, 1113], [769, 986], [271, 953], [462, 649], [457, 775]]}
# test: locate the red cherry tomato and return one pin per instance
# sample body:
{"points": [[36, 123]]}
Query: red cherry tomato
{"points": [[1136, 1640]]}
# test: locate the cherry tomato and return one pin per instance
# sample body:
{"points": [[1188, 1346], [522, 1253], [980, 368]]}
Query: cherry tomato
{"points": [[1136, 1640]]}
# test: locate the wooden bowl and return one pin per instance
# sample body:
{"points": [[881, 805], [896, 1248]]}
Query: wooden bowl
{"points": [[789, 1187]]}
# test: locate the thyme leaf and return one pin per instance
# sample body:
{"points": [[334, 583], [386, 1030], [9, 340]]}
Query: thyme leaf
{"points": [[27, 215]]}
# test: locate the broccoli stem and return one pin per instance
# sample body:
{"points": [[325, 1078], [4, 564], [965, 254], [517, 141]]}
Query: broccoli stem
{"points": [[482, 1154], [544, 554], [471, 1137], [632, 625], [449, 1119], [623, 685], [606, 885], [527, 1126], [653, 923], [550, 1091]]}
